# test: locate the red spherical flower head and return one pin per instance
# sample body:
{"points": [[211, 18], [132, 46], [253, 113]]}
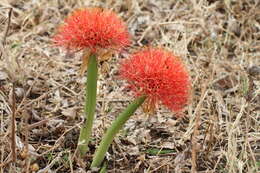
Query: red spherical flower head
{"points": [[93, 28], [159, 75]]}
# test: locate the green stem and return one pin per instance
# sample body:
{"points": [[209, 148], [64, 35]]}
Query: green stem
{"points": [[90, 104], [113, 130]]}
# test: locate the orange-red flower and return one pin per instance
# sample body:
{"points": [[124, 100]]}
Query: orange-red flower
{"points": [[93, 28], [159, 75]]}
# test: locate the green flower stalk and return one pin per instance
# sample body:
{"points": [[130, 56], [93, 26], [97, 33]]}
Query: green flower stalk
{"points": [[98, 32], [154, 75], [90, 104], [113, 130]]}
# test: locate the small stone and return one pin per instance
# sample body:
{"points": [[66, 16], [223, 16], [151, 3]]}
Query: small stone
{"points": [[19, 92], [254, 70]]}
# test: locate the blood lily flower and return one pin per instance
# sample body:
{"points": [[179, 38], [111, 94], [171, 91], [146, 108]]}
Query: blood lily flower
{"points": [[154, 75], [93, 28], [159, 75], [98, 32]]}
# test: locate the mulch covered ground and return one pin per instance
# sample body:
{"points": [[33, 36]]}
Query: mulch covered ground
{"points": [[217, 133]]}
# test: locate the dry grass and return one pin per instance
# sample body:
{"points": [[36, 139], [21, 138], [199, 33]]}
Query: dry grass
{"points": [[218, 40]]}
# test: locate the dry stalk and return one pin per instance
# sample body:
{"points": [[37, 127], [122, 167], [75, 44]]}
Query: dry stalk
{"points": [[194, 142], [247, 143], [8, 26], [165, 163], [37, 124], [13, 134], [5, 163], [1, 131], [26, 145], [71, 162]]}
